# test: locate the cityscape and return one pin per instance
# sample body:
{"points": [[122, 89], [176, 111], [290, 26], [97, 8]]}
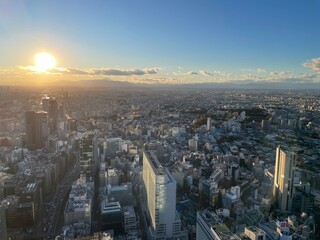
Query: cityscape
{"points": [[159, 120], [159, 164]]}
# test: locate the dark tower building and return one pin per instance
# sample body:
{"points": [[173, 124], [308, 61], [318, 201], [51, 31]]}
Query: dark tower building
{"points": [[86, 156], [36, 129], [50, 105]]}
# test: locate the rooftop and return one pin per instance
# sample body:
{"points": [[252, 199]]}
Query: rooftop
{"points": [[216, 225]]}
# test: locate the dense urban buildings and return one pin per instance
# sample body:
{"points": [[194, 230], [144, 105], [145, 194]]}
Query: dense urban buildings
{"points": [[165, 164], [159, 120]]}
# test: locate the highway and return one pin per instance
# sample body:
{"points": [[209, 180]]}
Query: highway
{"points": [[53, 217]]}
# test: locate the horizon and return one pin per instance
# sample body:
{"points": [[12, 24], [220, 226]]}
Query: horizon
{"points": [[174, 43]]}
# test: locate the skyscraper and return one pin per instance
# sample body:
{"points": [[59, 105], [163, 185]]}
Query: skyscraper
{"points": [[36, 129], [50, 105], [86, 156], [209, 124], [283, 178], [160, 187]]}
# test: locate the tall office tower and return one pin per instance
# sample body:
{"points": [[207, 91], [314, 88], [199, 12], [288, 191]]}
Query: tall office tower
{"points": [[36, 129], [50, 105], [160, 187], [209, 124], [3, 225], [283, 178], [86, 156]]}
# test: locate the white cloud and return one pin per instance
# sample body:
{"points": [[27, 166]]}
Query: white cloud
{"points": [[314, 64], [206, 73], [103, 71], [260, 70]]}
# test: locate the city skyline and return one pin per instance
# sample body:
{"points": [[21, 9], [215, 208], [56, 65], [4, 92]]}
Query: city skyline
{"points": [[177, 42]]}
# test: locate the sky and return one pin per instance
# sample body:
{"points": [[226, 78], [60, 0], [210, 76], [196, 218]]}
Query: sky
{"points": [[167, 41]]}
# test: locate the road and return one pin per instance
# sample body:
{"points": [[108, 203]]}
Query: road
{"points": [[51, 224], [61, 194]]}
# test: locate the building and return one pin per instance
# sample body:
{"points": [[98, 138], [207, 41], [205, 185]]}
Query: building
{"points": [[77, 231], [209, 124], [18, 215], [193, 145], [50, 105], [111, 216], [122, 194], [303, 199], [78, 208], [255, 233], [160, 188], [283, 179], [32, 192], [37, 130], [86, 156], [112, 146], [3, 225], [112, 177], [129, 219], [210, 227]]}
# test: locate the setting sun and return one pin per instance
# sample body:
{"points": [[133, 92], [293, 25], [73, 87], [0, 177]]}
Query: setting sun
{"points": [[44, 61]]}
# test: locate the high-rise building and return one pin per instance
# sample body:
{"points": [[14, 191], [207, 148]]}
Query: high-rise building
{"points": [[160, 187], [86, 156], [112, 146], [36, 129], [209, 124], [3, 225], [50, 105], [283, 178]]}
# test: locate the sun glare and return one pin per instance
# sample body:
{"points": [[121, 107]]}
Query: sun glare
{"points": [[44, 61]]}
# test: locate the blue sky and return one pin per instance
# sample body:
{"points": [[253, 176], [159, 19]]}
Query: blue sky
{"points": [[212, 39]]}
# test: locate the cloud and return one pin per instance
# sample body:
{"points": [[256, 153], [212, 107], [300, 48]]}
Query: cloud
{"points": [[260, 70], [206, 73], [308, 76], [103, 71], [283, 73], [314, 64], [192, 73]]}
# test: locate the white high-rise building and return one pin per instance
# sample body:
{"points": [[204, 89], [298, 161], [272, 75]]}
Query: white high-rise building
{"points": [[209, 124], [283, 178], [160, 187]]}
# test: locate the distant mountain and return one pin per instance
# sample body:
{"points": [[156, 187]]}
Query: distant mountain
{"points": [[248, 84], [93, 83], [254, 85]]}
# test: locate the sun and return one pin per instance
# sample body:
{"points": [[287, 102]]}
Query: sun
{"points": [[44, 61]]}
